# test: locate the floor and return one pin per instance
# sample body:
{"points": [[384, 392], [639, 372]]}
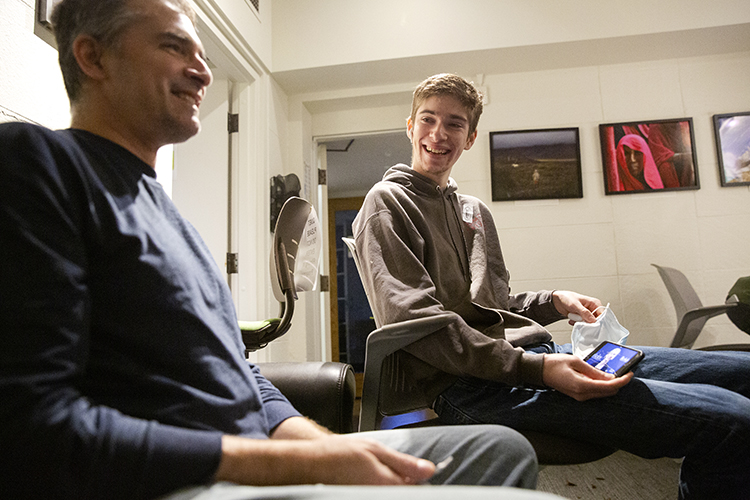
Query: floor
{"points": [[620, 476]]}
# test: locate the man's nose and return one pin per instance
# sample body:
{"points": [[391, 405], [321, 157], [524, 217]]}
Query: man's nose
{"points": [[438, 131], [199, 70]]}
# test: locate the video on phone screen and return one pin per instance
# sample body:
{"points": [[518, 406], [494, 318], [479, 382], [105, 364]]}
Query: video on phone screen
{"points": [[611, 357]]}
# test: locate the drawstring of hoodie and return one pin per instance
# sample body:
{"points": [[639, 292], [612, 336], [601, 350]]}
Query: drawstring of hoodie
{"points": [[448, 201]]}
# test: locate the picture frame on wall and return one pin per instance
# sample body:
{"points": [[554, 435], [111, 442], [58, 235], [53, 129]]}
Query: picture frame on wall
{"points": [[649, 156], [732, 132], [535, 164]]}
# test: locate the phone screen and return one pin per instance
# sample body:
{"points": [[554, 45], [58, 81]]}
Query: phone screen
{"points": [[613, 358]]}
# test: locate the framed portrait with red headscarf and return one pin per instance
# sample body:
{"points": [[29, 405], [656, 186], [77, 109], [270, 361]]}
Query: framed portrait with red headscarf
{"points": [[646, 156], [732, 131]]}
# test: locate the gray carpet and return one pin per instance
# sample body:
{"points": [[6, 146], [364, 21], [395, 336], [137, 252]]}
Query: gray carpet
{"points": [[620, 476]]}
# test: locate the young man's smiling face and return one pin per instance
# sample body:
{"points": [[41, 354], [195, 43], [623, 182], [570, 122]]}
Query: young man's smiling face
{"points": [[439, 133]]}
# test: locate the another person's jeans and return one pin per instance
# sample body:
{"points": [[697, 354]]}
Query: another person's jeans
{"points": [[681, 403]]}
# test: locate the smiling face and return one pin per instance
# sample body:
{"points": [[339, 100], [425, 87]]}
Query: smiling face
{"points": [[156, 77], [439, 133]]}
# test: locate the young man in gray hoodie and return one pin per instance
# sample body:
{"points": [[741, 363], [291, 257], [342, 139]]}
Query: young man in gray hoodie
{"points": [[426, 249]]}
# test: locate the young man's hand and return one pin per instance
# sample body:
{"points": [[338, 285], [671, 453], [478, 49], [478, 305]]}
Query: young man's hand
{"points": [[572, 376], [571, 302]]}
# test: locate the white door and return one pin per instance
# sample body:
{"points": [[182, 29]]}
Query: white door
{"points": [[200, 180]]}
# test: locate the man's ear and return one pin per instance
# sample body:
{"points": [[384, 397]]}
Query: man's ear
{"points": [[88, 53], [470, 140], [409, 128]]}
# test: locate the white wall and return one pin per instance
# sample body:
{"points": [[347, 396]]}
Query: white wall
{"points": [[603, 245], [31, 88]]}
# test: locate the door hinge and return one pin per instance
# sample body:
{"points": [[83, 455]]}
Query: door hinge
{"points": [[233, 265], [325, 283], [322, 177], [233, 122]]}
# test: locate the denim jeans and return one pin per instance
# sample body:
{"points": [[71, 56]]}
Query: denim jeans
{"points": [[682, 403]]}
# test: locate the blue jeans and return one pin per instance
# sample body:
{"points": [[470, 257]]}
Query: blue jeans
{"points": [[681, 403]]}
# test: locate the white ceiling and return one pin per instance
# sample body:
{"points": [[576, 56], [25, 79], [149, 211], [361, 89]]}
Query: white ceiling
{"points": [[592, 52]]}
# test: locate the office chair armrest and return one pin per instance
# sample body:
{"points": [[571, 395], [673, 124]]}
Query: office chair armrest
{"points": [[321, 391], [709, 311], [694, 314], [390, 338], [383, 342]]}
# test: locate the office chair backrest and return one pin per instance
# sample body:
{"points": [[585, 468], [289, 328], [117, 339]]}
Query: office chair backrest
{"points": [[387, 389], [295, 260], [691, 314], [680, 290]]}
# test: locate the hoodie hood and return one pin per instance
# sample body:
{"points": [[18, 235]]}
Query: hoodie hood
{"points": [[406, 176]]}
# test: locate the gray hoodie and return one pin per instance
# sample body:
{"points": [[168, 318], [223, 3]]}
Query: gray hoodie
{"points": [[425, 251]]}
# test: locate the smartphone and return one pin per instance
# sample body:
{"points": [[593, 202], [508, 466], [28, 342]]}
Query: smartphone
{"points": [[614, 358]]}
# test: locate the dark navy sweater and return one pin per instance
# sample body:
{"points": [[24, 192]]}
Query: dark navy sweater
{"points": [[121, 362]]}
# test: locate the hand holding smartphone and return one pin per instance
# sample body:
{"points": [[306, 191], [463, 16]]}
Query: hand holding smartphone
{"points": [[614, 358]]}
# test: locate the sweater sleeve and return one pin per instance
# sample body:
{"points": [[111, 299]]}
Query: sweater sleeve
{"points": [[400, 288], [276, 405], [56, 442], [537, 306]]}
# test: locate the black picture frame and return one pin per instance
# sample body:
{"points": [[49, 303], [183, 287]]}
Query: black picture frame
{"points": [[664, 150], [732, 134], [536, 164]]}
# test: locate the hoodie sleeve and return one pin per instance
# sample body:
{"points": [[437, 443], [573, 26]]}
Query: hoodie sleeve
{"points": [[392, 254]]}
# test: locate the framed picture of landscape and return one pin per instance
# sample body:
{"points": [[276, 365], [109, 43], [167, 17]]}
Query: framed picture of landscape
{"points": [[535, 164]]}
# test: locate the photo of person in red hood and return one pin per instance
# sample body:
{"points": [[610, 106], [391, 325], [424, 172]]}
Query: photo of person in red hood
{"points": [[635, 165]]}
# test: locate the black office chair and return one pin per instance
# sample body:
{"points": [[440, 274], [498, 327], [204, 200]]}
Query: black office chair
{"points": [[388, 391], [692, 315], [321, 391], [295, 259]]}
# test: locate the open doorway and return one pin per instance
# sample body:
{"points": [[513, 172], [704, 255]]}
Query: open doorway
{"points": [[354, 165]]}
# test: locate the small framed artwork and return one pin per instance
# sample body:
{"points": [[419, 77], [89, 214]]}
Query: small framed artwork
{"points": [[732, 131], [648, 156], [535, 164]]}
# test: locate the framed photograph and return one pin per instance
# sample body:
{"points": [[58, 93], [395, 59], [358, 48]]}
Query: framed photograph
{"points": [[642, 157], [732, 131], [535, 164]]}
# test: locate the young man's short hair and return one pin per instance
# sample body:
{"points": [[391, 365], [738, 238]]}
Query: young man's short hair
{"points": [[104, 20], [453, 85]]}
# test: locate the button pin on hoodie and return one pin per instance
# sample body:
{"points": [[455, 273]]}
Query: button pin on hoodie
{"points": [[468, 214]]}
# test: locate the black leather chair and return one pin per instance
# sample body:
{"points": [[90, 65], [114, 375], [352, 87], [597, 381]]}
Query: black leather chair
{"points": [[321, 391]]}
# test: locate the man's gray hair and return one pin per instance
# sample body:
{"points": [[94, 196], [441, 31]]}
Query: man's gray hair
{"points": [[103, 20]]}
